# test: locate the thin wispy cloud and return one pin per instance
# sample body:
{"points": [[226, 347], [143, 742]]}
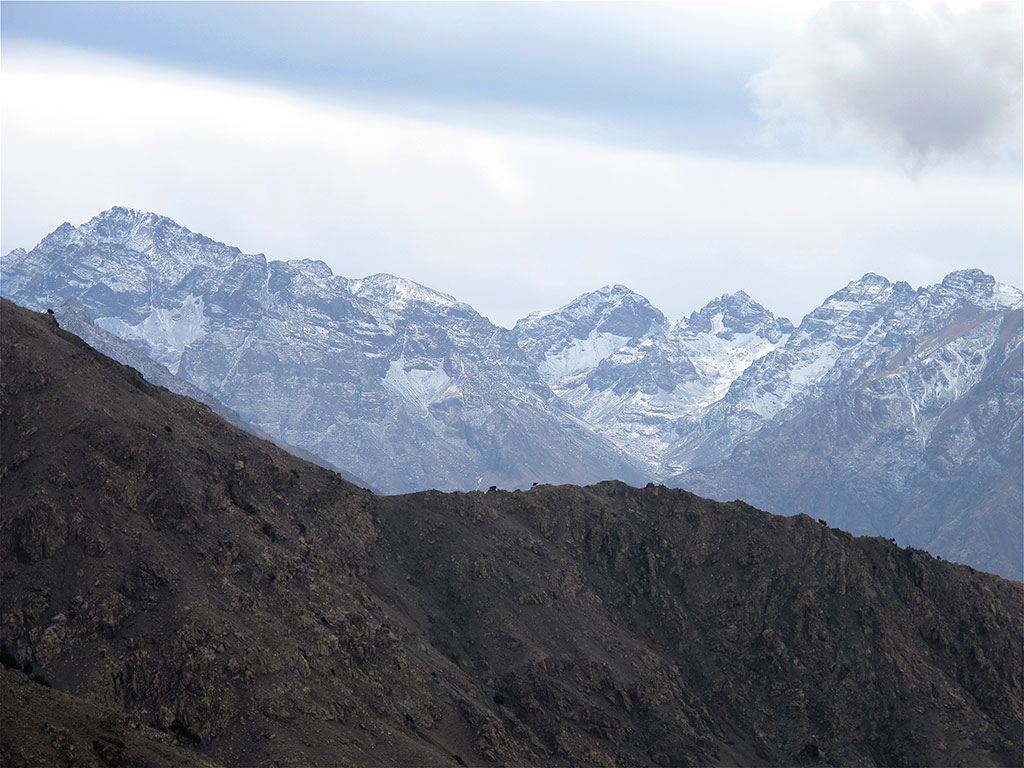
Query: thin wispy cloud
{"points": [[516, 155], [924, 85], [508, 222], [643, 74]]}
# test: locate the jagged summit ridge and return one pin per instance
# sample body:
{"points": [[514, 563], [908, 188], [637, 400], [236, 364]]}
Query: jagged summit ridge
{"points": [[153, 234], [410, 388], [398, 293], [382, 374], [983, 290], [891, 393], [613, 310], [733, 313], [642, 379]]}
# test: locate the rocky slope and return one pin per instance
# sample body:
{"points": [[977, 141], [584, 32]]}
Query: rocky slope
{"points": [[638, 378], [71, 316], [888, 410], [387, 379], [46, 727], [262, 610]]}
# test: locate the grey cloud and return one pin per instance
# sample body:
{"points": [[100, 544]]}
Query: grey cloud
{"points": [[925, 86]]}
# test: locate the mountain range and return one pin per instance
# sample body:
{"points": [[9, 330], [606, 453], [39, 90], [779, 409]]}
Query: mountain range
{"points": [[887, 410], [177, 591]]}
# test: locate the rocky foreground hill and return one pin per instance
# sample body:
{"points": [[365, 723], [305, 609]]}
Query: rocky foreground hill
{"points": [[187, 577]]}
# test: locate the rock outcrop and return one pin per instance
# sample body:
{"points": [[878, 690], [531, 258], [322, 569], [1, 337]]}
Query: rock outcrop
{"points": [[261, 610]]}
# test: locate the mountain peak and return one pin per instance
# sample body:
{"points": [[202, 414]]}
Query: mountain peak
{"points": [[868, 286], [982, 289], [739, 300], [868, 289], [138, 246], [871, 280], [733, 313], [119, 218], [969, 282], [157, 236], [312, 267], [614, 309], [60, 237], [609, 297], [398, 292], [973, 276], [121, 210], [617, 290]]}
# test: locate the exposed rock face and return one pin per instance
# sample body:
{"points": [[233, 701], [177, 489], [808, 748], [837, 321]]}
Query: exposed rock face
{"points": [[46, 727], [387, 379], [639, 379], [72, 317], [170, 566], [888, 411]]}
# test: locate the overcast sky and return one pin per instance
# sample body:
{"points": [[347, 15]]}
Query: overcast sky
{"points": [[517, 155]]}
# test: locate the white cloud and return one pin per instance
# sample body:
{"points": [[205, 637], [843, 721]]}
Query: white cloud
{"points": [[925, 84], [507, 222]]}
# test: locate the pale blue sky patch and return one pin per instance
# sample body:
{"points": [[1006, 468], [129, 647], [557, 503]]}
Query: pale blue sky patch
{"points": [[516, 155], [674, 74]]}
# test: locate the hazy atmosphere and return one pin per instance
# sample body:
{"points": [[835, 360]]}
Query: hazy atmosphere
{"points": [[511, 383], [516, 156]]}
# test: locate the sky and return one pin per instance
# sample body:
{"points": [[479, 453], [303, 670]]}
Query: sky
{"points": [[516, 155]]}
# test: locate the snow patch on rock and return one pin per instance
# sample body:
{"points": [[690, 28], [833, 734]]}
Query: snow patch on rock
{"points": [[166, 332]]}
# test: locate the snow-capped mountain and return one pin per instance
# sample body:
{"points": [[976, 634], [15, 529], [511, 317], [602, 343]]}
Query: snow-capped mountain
{"points": [[888, 410], [851, 339], [395, 382], [638, 378], [854, 330]]}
